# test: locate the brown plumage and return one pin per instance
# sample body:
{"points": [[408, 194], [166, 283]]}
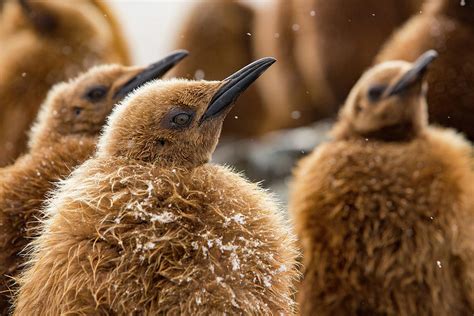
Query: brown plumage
{"points": [[448, 27], [45, 42], [384, 211], [161, 229], [63, 137], [219, 33]]}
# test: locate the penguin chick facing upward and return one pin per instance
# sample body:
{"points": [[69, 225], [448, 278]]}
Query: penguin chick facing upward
{"points": [[384, 211], [43, 43], [150, 227], [448, 27], [63, 137]]}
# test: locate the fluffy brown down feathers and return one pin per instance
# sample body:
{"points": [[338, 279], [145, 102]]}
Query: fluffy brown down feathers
{"points": [[384, 227], [155, 240]]}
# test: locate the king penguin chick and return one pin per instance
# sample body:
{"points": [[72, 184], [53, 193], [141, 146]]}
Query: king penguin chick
{"points": [[63, 137], [150, 227], [45, 42], [384, 211], [448, 27]]}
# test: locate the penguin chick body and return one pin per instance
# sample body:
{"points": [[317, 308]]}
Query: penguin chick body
{"points": [[63, 137], [448, 27], [43, 43], [162, 231], [384, 211]]}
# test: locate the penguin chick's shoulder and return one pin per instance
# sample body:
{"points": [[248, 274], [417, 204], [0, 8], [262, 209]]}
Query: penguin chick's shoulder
{"points": [[162, 230]]}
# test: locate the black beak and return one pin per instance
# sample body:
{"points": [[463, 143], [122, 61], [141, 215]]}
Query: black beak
{"points": [[235, 85], [154, 71], [415, 74]]}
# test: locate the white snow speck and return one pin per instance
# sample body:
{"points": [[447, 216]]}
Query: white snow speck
{"points": [[312, 13], [295, 115], [238, 218], [150, 245], [295, 27], [235, 261], [438, 263], [267, 281], [199, 75], [164, 218]]}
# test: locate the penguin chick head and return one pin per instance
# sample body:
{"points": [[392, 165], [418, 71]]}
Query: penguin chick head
{"points": [[388, 102], [77, 20], [81, 106], [176, 122]]}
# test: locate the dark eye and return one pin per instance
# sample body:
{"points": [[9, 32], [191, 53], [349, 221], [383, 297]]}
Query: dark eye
{"points": [[77, 110], [375, 92], [182, 119], [96, 93]]}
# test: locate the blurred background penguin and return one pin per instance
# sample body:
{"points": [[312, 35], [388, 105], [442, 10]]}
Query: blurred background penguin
{"points": [[323, 47], [448, 27], [44, 42]]}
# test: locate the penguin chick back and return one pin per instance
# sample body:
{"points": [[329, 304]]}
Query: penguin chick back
{"points": [[154, 240], [384, 226]]}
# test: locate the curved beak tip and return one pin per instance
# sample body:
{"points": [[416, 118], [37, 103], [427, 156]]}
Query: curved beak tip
{"points": [[415, 74]]}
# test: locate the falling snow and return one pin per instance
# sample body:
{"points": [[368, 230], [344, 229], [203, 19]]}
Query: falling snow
{"points": [[199, 74]]}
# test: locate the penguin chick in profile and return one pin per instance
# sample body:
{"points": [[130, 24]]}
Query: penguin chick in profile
{"points": [[384, 211], [43, 43], [150, 227], [448, 27], [63, 137]]}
